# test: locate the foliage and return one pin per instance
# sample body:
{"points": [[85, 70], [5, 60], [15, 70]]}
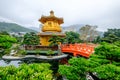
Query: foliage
{"points": [[99, 63], [7, 51], [12, 27], [55, 40], [19, 39], [50, 52], [26, 72], [110, 51], [6, 41], [37, 51], [4, 33], [72, 37], [105, 63], [79, 67], [116, 63], [22, 52], [69, 71], [6, 45], [111, 35], [108, 72], [115, 32], [31, 39], [95, 61], [111, 38], [117, 43], [76, 70], [97, 40], [4, 52]]}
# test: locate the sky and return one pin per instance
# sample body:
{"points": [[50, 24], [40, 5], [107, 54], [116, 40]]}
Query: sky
{"points": [[103, 13]]}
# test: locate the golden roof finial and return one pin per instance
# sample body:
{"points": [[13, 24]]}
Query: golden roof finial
{"points": [[51, 13]]}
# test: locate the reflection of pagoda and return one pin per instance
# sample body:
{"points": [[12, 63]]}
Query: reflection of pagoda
{"points": [[51, 26]]}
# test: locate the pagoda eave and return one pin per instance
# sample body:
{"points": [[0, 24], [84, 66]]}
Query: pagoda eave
{"points": [[51, 34], [43, 19]]}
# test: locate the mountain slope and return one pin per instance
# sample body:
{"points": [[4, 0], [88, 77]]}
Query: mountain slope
{"points": [[74, 28], [13, 27], [35, 28]]}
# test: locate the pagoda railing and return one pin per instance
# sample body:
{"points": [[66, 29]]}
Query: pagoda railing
{"points": [[39, 47]]}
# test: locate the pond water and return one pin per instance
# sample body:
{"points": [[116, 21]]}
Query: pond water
{"points": [[7, 63]]}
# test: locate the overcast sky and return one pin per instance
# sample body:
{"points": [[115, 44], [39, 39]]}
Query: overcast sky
{"points": [[103, 13]]}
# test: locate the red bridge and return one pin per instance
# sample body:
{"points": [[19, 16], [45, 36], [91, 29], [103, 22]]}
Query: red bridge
{"points": [[84, 50]]}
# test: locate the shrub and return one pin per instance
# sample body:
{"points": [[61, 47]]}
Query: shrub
{"points": [[26, 72], [6, 41], [76, 70], [110, 51], [50, 52], [108, 72], [31, 39], [22, 52]]}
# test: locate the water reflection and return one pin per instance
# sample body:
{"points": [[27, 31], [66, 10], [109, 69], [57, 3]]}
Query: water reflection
{"points": [[7, 63]]}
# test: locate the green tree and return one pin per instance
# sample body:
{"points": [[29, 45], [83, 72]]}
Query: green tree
{"points": [[108, 72], [117, 43], [55, 40], [109, 51], [111, 35], [111, 38], [4, 33], [72, 37], [97, 40], [97, 66], [115, 31], [6, 41], [75, 70], [31, 39]]}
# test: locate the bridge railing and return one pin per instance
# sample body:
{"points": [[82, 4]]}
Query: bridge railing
{"points": [[78, 48]]}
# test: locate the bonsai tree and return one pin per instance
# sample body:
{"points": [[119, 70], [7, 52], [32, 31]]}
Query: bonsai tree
{"points": [[109, 51], [72, 37], [55, 40], [111, 35], [76, 70], [108, 72], [31, 39], [111, 38]]}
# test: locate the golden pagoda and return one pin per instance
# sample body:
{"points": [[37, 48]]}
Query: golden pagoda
{"points": [[51, 26]]}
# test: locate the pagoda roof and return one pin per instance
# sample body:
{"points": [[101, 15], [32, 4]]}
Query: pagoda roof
{"points": [[51, 17]]}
